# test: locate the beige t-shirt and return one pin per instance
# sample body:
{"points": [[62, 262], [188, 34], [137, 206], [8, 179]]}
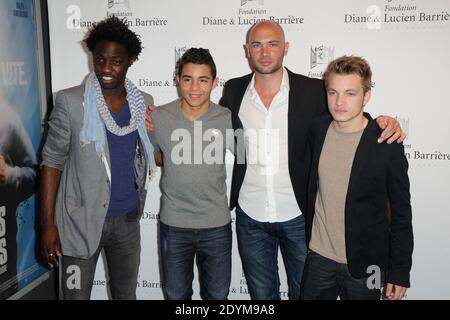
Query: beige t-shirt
{"points": [[335, 164]]}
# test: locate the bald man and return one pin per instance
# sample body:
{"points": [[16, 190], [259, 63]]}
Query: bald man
{"points": [[274, 107]]}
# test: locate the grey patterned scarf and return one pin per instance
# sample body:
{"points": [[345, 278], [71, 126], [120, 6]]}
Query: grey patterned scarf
{"points": [[137, 109], [97, 116]]}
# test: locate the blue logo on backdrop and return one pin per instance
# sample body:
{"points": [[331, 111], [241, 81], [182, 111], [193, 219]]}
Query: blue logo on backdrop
{"points": [[20, 10]]}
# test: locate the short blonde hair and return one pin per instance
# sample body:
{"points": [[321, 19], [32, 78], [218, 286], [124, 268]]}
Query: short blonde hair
{"points": [[350, 65]]}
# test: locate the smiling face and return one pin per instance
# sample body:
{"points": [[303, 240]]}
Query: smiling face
{"points": [[111, 63], [266, 47], [196, 83], [346, 98]]}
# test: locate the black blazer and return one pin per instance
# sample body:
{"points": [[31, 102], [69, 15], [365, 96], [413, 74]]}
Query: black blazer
{"points": [[306, 101], [378, 228]]}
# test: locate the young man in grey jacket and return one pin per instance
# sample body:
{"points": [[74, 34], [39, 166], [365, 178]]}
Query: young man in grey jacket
{"points": [[95, 163]]}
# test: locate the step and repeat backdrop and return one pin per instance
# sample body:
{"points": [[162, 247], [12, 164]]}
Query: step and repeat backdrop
{"points": [[406, 42]]}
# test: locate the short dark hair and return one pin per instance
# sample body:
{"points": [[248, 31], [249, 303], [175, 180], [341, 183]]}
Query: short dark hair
{"points": [[196, 56], [350, 65], [114, 29]]}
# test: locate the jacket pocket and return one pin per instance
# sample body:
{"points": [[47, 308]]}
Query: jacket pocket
{"points": [[72, 205]]}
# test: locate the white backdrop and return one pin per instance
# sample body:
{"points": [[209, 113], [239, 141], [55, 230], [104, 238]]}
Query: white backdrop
{"points": [[406, 42]]}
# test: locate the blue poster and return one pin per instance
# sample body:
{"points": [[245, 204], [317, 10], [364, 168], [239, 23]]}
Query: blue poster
{"points": [[20, 137]]}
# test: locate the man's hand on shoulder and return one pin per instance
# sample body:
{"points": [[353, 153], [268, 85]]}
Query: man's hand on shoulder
{"points": [[391, 130], [148, 118]]}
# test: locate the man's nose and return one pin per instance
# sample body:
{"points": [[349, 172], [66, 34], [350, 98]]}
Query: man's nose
{"points": [[340, 100], [264, 50], [194, 85], [106, 67]]}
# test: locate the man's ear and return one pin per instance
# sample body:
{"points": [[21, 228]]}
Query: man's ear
{"points": [[247, 50], [286, 48], [367, 96], [215, 82]]}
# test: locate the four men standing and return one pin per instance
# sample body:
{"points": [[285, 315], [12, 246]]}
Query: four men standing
{"points": [[93, 184]]}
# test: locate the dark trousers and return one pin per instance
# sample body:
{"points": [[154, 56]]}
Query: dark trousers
{"points": [[326, 279], [258, 244], [121, 241], [212, 249]]}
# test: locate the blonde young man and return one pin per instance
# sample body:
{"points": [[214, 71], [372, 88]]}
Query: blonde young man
{"points": [[354, 184]]}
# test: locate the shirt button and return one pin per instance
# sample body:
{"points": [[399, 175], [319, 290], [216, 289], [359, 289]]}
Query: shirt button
{"points": [[105, 206]]}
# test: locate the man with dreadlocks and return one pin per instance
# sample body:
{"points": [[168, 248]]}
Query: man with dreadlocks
{"points": [[95, 163]]}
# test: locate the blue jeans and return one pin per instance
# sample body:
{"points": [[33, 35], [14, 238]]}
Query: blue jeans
{"points": [[258, 244], [211, 247], [121, 240], [326, 279]]}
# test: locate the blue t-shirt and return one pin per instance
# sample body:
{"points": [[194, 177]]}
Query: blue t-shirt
{"points": [[122, 151]]}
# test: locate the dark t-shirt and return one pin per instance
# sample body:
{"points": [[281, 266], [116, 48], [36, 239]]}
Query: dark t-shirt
{"points": [[122, 151]]}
